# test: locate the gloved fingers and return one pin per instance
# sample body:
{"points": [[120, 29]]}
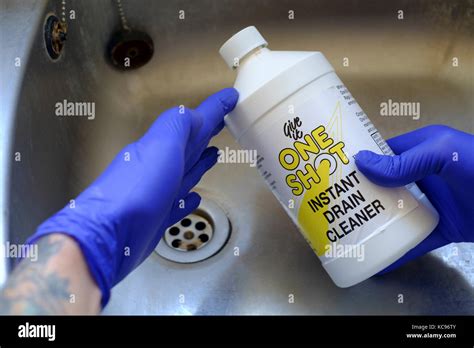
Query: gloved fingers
{"points": [[214, 108], [182, 208], [205, 143], [194, 175], [399, 170], [197, 122], [200, 148], [179, 124], [404, 142], [216, 131], [218, 128], [434, 241], [196, 154]]}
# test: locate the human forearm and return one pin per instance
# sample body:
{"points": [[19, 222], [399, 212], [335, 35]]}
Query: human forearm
{"points": [[58, 282]]}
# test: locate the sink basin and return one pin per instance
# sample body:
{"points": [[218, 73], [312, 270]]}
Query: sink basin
{"points": [[265, 267]]}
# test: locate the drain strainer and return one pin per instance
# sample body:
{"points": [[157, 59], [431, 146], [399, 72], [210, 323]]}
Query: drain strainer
{"points": [[55, 33], [191, 233], [198, 236]]}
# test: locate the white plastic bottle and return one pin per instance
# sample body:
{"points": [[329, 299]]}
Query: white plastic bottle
{"points": [[306, 127]]}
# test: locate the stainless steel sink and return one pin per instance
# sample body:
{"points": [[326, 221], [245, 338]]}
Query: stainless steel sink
{"points": [[405, 60]]}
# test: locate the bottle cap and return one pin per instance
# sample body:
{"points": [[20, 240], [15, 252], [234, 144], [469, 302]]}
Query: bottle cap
{"points": [[239, 45]]}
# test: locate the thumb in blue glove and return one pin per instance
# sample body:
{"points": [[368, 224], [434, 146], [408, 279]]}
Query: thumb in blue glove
{"points": [[441, 161], [120, 218]]}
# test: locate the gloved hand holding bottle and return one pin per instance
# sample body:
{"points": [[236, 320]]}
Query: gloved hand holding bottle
{"points": [[120, 218], [441, 161]]}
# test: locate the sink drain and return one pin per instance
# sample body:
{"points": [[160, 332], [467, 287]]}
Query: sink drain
{"points": [[198, 236], [55, 33], [191, 233]]}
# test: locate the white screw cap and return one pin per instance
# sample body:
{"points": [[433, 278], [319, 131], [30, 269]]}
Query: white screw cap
{"points": [[239, 45]]}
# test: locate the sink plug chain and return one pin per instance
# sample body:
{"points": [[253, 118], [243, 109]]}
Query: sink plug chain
{"points": [[63, 11], [123, 19], [129, 48]]}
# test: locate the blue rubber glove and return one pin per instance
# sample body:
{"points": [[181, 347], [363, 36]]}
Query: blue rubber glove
{"points": [[441, 161], [120, 218]]}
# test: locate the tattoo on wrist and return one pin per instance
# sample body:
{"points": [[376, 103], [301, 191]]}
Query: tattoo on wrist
{"points": [[32, 289]]}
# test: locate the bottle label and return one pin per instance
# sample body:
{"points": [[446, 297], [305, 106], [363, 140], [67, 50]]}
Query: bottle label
{"points": [[306, 156]]}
